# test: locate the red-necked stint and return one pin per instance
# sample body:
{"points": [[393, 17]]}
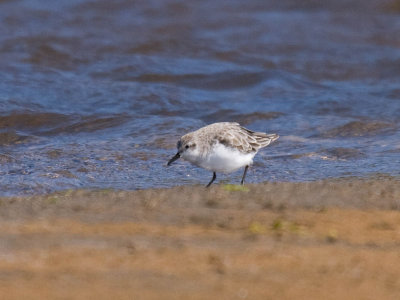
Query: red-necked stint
{"points": [[222, 147]]}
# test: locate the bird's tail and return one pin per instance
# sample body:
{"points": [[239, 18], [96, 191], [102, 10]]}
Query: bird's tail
{"points": [[264, 139]]}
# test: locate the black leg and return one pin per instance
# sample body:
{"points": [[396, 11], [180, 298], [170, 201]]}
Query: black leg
{"points": [[212, 180], [244, 175]]}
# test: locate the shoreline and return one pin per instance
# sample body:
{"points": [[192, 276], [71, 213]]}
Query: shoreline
{"points": [[348, 192], [331, 239]]}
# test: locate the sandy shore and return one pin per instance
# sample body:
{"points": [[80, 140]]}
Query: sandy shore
{"points": [[335, 239]]}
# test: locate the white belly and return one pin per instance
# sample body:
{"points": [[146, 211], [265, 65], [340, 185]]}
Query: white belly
{"points": [[222, 159]]}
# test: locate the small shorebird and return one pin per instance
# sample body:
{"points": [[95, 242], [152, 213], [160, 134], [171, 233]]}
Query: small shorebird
{"points": [[222, 147]]}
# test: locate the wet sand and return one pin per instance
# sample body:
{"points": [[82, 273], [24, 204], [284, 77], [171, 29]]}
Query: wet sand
{"points": [[333, 239]]}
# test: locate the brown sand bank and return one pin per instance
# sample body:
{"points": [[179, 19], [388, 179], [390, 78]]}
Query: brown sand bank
{"points": [[336, 239]]}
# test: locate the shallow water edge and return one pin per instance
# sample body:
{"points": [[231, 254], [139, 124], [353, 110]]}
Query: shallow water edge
{"points": [[361, 193]]}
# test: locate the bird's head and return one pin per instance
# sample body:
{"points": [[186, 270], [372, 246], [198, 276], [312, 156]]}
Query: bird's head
{"points": [[186, 148]]}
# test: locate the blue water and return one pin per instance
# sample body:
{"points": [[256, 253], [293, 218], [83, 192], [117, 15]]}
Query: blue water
{"points": [[96, 94]]}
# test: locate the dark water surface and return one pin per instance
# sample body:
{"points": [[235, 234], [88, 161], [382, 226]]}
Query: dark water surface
{"points": [[96, 93]]}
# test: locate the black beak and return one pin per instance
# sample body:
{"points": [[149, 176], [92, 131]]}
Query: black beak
{"points": [[173, 159]]}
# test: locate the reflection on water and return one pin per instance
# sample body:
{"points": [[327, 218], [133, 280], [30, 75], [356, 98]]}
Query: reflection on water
{"points": [[95, 94]]}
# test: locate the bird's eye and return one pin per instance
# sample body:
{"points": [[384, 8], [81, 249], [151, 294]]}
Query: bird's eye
{"points": [[187, 146]]}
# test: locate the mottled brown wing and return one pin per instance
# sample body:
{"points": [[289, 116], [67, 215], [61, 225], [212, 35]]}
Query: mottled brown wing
{"points": [[243, 139]]}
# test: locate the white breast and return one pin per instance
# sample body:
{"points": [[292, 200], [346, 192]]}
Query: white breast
{"points": [[221, 159]]}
